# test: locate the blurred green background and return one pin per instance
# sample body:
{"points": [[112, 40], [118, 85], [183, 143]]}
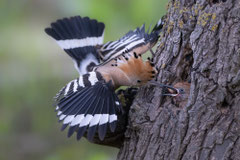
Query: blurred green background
{"points": [[33, 68]]}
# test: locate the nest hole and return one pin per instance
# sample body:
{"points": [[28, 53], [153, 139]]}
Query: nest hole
{"points": [[187, 64]]}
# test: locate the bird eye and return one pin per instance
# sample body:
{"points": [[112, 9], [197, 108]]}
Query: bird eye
{"points": [[181, 90], [138, 81]]}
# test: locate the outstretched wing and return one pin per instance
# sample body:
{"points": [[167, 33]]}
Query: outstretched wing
{"points": [[88, 104], [78, 37], [137, 41]]}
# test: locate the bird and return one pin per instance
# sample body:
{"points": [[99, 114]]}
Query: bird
{"points": [[89, 104], [180, 93]]}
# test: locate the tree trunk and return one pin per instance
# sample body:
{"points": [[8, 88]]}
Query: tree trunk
{"points": [[200, 44]]}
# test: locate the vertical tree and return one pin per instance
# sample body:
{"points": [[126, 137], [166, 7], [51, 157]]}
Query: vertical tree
{"points": [[200, 44]]}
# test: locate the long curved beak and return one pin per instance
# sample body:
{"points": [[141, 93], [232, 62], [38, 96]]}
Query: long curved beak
{"points": [[172, 91]]}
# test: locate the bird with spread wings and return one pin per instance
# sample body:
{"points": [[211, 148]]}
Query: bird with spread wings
{"points": [[89, 103]]}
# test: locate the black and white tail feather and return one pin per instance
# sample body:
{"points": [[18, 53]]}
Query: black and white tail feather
{"points": [[88, 104], [78, 37]]}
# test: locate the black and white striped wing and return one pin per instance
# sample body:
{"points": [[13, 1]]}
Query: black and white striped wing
{"points": [[88, 104], [129, 41], [78, 37]]}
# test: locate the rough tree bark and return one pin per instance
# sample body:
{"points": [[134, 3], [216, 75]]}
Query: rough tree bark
{"points": [[200, 44]]}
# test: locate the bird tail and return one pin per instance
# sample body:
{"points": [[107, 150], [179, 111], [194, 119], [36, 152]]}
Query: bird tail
{"points": [[88, 104], [78, 37]]}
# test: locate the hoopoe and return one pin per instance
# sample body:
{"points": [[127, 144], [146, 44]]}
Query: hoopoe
{"points": [[89, 103]]}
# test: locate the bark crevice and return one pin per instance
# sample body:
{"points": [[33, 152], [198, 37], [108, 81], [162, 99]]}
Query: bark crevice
{"points": [[199, 44]]}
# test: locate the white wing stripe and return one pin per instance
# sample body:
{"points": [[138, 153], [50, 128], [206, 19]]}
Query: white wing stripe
{"points": [[113, 43], [75, 43], [68, 119], [106, 44], [59, 113], [80, 82], [119, 43], [135, 43], [92, 78], [89, 119], [86, 120], [62, 117], [67, 88], [112, 118], [77, 120], [95, 120], [130, 40], [75, 85], [127, 47], [103, 119]]}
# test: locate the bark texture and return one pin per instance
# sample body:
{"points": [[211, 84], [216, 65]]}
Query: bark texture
{"points": [[200, 44]]}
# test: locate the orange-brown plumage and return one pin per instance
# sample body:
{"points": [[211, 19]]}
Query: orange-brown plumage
{"points": [[128, 70]]}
